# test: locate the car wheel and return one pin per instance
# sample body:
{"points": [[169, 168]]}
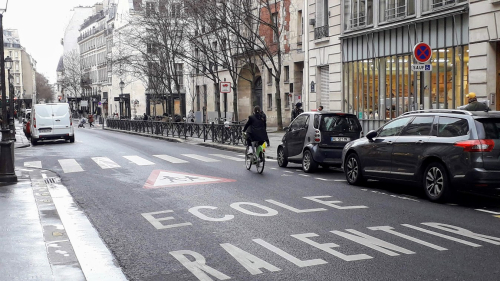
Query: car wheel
{"points": [[435, 181], [72, 139], [33, 141], [282, 159], [308, 163], [352, 170]]}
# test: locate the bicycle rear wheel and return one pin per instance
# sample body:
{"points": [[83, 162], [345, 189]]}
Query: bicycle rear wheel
{"points": [[248, 159], [261, 162]]}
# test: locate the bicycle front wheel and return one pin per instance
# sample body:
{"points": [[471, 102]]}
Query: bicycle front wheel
{"points": [[261, 162], [248, 158]]}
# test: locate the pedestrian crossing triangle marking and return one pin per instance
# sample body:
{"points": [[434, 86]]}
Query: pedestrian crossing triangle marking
{"points": [[160, 178]]}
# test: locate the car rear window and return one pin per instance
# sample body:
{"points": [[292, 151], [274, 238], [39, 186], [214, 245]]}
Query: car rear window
{"points": [[452, 127], [491, 127], [335, 123]]}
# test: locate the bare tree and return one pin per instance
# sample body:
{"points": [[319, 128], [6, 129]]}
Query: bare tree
{"points": [[44, 90], [73, 74]]}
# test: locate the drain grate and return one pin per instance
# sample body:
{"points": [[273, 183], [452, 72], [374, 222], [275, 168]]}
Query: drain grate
{"points": [[51, 180]]}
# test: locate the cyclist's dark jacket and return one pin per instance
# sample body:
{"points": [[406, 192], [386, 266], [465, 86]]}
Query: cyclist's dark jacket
{"points": [[256, 126]]}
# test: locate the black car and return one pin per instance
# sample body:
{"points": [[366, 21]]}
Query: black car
{"points": [[317, 138], [440, 150]]}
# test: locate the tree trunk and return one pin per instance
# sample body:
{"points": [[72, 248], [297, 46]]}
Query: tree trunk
{"points": [[217, 100], [278, 103], [235, 102]]}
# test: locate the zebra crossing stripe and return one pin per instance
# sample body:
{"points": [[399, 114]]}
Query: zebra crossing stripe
{"points": [[229, 157], [105, 162], [139, 160], [34, 164], [171, 159], [201, 158], [70, 166]]}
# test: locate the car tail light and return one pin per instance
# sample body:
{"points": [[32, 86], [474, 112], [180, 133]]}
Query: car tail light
{"points": [[70, 121], [476, 145], [317, 136], [34, 122]]}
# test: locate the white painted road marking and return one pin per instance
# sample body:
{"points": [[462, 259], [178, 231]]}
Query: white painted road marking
{"points": [[70, 166], [171, 159], [228, 157], [139, 160], [34, 164], [480, 210], [105, 163], [201, 158]]}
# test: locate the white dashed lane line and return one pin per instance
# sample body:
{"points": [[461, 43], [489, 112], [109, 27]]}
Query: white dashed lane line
{"points": [[489, 212]]}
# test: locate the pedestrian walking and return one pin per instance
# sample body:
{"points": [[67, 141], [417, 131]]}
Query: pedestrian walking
{"points": [[145, 117], [91, 120], [297, 110], [320, 108]]}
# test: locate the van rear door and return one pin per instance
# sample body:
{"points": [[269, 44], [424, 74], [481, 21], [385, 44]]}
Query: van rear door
{"points": [[61, 116], [43, 119]]}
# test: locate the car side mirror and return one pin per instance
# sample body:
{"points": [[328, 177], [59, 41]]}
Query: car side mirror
{"points": [[286, 129], [371, 135]]}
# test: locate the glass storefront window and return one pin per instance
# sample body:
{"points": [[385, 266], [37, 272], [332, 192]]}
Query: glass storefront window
{"points": [[384, 88]]}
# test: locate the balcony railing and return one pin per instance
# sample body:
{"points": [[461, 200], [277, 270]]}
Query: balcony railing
{"points": [[320, 32], [90, 33]]}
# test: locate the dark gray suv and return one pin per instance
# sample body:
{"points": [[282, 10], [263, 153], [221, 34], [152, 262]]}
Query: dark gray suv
{"points": [[440, 150]]}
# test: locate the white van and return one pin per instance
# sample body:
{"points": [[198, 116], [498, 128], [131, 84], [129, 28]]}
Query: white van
{"points": [[51, 121]]}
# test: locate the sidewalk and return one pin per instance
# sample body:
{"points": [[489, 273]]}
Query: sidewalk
{"points": [[275, 138], [44, 236]]}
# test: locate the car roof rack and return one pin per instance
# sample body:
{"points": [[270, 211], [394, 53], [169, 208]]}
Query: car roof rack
{"points": [[452, 111]]}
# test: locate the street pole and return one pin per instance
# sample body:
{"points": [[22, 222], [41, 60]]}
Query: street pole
{"points": [[12, 128], [7, 172]]}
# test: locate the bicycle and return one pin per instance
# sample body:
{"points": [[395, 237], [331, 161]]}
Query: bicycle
{"points": [[258, 157]]}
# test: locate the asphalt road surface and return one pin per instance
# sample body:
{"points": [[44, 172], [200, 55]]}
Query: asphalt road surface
{"points": [[172, 211]]}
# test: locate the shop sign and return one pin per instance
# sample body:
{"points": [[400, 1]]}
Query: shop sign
{"points": [[422, 52], [421, 67]]}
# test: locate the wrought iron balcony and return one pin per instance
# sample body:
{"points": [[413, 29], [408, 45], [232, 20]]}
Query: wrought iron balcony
{"points": [[320, 32]]}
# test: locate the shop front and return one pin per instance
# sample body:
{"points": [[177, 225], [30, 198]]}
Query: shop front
{"points": [[378, 81]]}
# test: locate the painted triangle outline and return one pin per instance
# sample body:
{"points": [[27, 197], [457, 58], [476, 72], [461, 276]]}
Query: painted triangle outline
{"points": [[153, 177]]}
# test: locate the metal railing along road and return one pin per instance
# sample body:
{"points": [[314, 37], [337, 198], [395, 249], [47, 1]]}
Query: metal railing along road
{"points": [[219, 133]]}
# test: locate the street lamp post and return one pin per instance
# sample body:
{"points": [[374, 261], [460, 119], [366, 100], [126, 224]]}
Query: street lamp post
{"points": [[12, 131], [122, 85], [7, 172]]}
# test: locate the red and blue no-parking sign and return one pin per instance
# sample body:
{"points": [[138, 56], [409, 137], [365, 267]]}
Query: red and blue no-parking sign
{"points": [[422, 52]]}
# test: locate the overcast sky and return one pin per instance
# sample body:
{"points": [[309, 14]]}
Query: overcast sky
{"points": [[41, 25]]}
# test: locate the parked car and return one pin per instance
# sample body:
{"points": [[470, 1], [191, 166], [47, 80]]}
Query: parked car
{"points": [[317, 138], [439, 150], [27, 124], [51, 121]]}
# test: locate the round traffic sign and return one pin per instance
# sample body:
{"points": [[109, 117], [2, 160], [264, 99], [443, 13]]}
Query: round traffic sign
{"points": [[422, 52]]}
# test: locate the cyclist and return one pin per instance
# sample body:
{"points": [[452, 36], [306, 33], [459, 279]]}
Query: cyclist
{"points": [[256, 126]]}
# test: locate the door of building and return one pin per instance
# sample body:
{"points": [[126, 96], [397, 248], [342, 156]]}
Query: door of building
{"points": [[325, 87], [257, 97]]}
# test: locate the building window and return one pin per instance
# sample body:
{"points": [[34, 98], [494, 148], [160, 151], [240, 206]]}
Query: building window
{"points": [[269, 101], [150, 8], [287, 73], [17, 80], [430, 5], [17, 66], [300, 27], [179, 74], [358, 14], [396, 9], [276, 35], [321, 27], [176, 10], [269, 77]]}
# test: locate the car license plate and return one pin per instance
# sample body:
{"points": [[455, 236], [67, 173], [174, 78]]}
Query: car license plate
{"points": [[341, 139], [44, 130]]}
